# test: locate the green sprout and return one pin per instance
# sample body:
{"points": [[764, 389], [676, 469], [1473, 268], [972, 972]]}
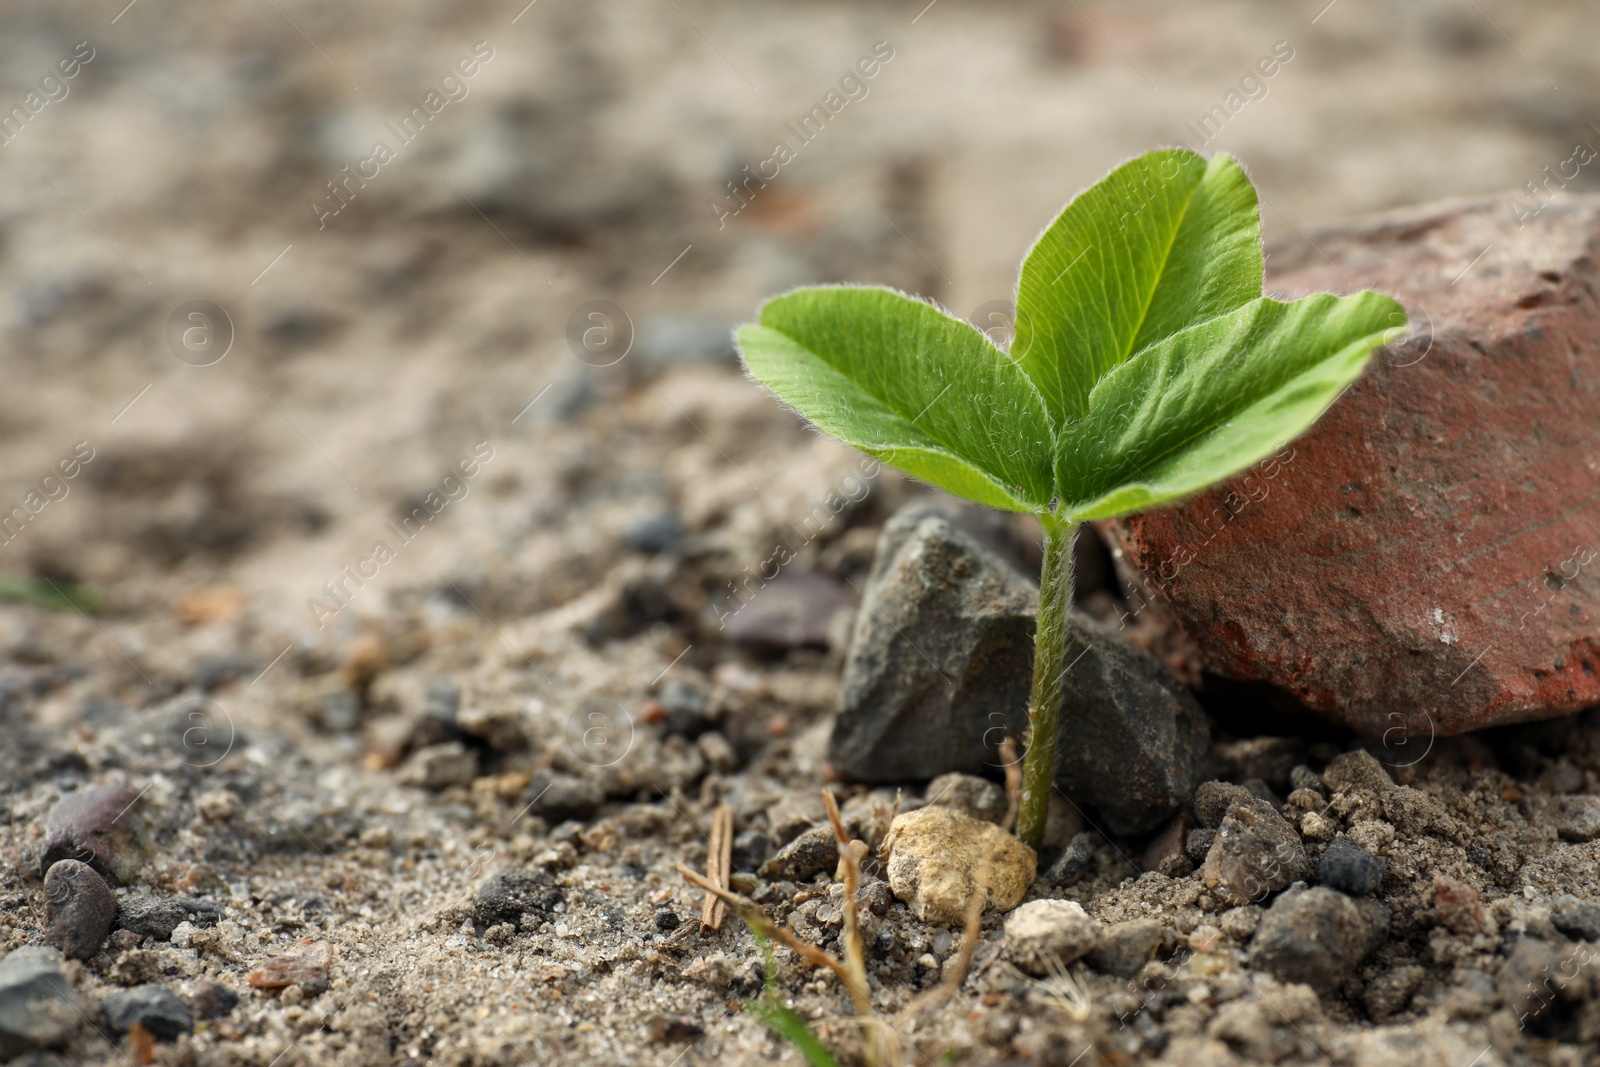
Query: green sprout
{"points": [[778, 1017], [1146, 366]]}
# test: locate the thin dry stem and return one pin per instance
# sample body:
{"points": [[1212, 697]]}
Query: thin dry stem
{"points": [[855, 957], [750, 913], [719, 867], [1013, 766]]}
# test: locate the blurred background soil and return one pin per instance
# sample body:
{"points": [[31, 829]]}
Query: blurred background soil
{"points": [[440, 307]]}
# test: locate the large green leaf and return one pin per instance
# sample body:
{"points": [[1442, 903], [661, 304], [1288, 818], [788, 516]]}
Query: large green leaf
{"points": [[901, 380], [1161, 243], [1147, 365], [1211, 400]]}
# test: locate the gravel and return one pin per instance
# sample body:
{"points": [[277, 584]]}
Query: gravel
{"points": [[155, 1007], [81, 908]]}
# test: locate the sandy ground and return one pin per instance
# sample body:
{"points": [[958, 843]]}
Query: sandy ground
{"points": [[539, 282]]}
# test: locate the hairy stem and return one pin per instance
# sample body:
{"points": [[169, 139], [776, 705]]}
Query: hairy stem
{"points": [[1049, 669]]}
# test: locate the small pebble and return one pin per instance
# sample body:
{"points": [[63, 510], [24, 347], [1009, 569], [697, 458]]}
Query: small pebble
{"points": [[1577, 818], [674, 1029], [687, 708], [938, 858], [80, 908], [212, 1001], [38, 1008], [667, 920], [513, 893], [1255, 854], [1124, 948], [807, 856], [1303, 777], [1198, 843], [99, 825], [875, 897], [556, 797], [1073, 862], [970, 795], [305, 965], [1211, 801], [751, 848], [1576, 917], [440, 766], [157, 917], [1457, 905], [1317, 936], [655, 534], [158, 1009], [1349, 868], [1044, 930]]}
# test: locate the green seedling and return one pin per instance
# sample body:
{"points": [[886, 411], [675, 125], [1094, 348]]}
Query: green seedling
{"points": [[1146, 366]]}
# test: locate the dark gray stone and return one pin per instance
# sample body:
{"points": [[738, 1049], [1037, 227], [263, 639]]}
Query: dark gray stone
{"points": [[1126, 947], [1576, 917], [513, 893], [1073, 862], [794, 610], [212, 1001], [155, 1007], [157, 917], [687, 708], [80, 907], [558, 797], [805, 857], [99, 825], [655, 534], [1317, 936], [1198, 843], [1349, 868], [38, 1008], [1211, 801], [1576, 818], [940, 666], [1256, 853]]}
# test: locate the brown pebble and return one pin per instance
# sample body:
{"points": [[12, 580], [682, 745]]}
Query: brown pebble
{"points": [[1457, 904], [674, 1029], [80, 907], [305, 965], [100, 826]]}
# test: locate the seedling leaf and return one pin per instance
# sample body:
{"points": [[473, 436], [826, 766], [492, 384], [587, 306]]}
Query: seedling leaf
{"points": [[1209, 401], [907, 383], [1161, 243]]}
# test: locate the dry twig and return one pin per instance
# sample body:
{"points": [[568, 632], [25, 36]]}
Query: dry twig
{"points": [[750, 913], [719, 867], [1013, 766]]}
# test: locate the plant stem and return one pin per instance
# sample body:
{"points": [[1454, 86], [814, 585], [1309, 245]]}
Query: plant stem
{"points": [[1049, 669]]}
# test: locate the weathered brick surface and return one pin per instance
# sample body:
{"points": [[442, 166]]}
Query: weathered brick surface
{"points": [[1427, 559]]}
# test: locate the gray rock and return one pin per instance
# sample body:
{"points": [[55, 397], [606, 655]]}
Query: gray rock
{"points": [[1391, 991], [794, 610], [1211, 801], [1317, 936], [512, 894], [1042, 931], [212, 1001], [1125, 947], [1198, 843], [1534, 985], [1349, 868], [38, 1008], [805, 857], [1576, 818], [440, 766], [1255, 854], [154, 1007], [940, 665], [1073, 862], [101, 826], [970, 795], [1576, 917], [157, 917], [80, 907], [558, 797]]}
